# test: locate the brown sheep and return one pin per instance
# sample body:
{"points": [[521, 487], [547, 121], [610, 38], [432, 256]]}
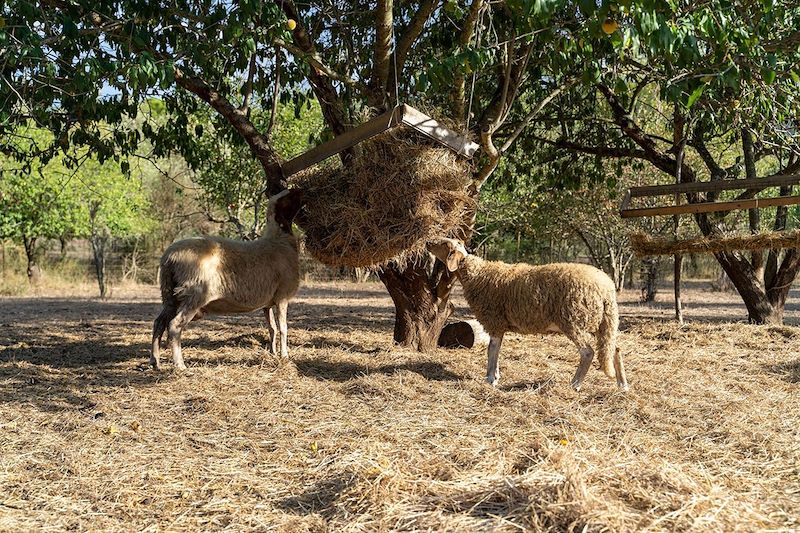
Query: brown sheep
{"points": [[214, 275], [576, 300]]}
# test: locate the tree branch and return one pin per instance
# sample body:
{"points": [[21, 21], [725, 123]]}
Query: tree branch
{"points": [[535, 111], [318, 78], [383, 52], [412, 33], [237, 118], [258, 143], [716, 171], [660, 159], [315, 61], [248, 87], [458, 94], [603, 151], [275, 92]]}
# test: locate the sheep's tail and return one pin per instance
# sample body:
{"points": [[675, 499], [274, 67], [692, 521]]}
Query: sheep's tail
{"points": [[168, 296], [607, 338]]}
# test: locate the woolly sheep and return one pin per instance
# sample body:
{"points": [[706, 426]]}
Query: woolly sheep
{"points": [[214, 275], [576, 300]]}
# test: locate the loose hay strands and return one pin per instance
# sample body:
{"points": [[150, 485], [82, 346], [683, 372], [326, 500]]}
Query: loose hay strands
{"points": [[644, 245], [352, 435], [401, 190]]}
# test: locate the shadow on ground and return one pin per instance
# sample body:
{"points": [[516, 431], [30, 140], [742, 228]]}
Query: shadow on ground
{"points": [[324, 370]]}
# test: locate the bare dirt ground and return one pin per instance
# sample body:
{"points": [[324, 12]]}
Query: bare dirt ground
{"points": [[355, 435]]}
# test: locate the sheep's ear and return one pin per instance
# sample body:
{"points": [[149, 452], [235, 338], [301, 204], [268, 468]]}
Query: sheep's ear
{"points": [[446, 251], [453, 259], [287, 207]]}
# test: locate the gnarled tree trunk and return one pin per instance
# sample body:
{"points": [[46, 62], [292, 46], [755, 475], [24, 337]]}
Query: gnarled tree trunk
{"points": [[765, 304], [421, 297]]}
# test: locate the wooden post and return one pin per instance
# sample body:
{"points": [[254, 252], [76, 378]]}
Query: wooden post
{"points": [[680, 138]]}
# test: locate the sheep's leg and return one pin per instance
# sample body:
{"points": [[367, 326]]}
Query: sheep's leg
{"points": [[176, 325], [584, 343], [493, 364], [269, 312], [282, 308], [619, 370], [159, 326]]}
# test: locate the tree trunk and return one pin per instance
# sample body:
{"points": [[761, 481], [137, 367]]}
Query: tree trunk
{"points": [[760, 310], [99, 238], [650, 279], [30, 254], [99, 243], [422, 303]]}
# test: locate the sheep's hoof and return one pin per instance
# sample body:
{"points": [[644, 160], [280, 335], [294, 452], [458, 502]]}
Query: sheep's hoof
{"points": [[576, 385], [623, 387], [493, 381]]}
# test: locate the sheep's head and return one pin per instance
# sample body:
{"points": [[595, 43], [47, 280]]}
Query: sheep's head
{"points": [[448, 251], [283, 208]]}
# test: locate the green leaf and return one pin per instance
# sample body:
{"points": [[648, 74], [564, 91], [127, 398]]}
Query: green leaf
{"points": [[587, 7], [695, 95]]}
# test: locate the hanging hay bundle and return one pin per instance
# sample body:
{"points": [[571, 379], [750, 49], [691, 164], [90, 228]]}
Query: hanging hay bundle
{"points": [[401, 190], [644, 245]]}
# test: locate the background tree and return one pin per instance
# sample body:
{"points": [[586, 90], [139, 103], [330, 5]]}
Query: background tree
{"points": [[112, 206], [36, 201], [725, 74]]}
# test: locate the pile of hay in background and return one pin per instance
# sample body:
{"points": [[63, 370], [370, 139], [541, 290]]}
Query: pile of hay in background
{"points": [[643, 244], [401, 190]]}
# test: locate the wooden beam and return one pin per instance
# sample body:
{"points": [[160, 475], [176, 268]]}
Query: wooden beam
{"points": [[403, 114], [709, 207], [715, 186], [344, 141], [430, 127]]}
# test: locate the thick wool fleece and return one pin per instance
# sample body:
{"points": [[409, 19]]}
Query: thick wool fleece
{"points": [[572, 298], [221, 275]]}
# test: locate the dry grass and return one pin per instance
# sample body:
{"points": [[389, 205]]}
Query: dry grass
{"points": [[401, 191], [644, 245], [353, 435]]}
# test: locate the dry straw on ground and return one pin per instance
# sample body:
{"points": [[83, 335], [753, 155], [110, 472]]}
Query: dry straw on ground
{"points": [[401, 190], [643, 245], [353, 435]]}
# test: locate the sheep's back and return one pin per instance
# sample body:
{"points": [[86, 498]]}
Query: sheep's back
{"points": [[259, 273], [247, 275], [531, 299]]}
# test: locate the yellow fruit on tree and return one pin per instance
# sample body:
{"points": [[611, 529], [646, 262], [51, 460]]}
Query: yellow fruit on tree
{"points": [[610, 26], [291, 24]]}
